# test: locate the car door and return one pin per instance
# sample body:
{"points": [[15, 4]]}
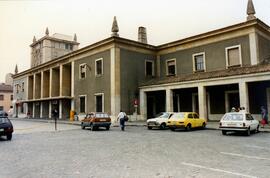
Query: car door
{"points": [[197, 120], [252, 122], [191, 119]]}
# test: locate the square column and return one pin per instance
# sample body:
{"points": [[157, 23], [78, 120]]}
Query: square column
{"points": [[61, 80], [243, 95], [41, 110], [42, 87], [50, 85], [60, 109], [202, 102], [143, 105], [50, 109], [169, 100], [33, 112]]}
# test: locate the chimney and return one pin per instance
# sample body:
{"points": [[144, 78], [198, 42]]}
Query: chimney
{"points": [[142, 37]]}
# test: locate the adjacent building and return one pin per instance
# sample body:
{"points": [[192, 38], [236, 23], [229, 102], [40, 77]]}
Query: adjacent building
{"points": [[208, 73], [6, 97]]}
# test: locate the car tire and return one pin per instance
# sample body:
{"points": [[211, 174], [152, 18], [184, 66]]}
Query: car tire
{"points": [[162, 126], [172, 129], [150, 128], [188, 127], [224, 132], [248, 132], [9, 136], [203, 125], [258, 129], [82, 126], [93, 128], [108, 128]]}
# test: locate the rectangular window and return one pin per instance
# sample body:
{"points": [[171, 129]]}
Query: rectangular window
{"points": [[99, 102], [66, 46], [99, 67], [233, 56], [23, 87], [199, 62], [1, 108], [11, 97], [1, 97], [82, 104], [149, 68], [171, 67], [17, 88], [82, 71]]}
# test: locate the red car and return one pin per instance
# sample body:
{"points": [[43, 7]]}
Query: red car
{"points": [[6, 127]]}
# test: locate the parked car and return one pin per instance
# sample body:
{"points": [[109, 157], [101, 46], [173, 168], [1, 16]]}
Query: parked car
{"points": [[160, 121], [186, 120], [238, 122], [96, 120], [6, 127]]}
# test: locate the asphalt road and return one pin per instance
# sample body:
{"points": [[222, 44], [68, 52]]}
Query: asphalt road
{"points": [[36, 150]]}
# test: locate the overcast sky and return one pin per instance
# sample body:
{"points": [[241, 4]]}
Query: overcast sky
{"points": [[91, 20]]}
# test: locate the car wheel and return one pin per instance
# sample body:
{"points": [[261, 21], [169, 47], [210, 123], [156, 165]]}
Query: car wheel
{"points": [[82, 126], [93, 128], [162, 126], [248, 132], [9, 136], [188, 127], [172, 129], [150, 128], [224, 132], [108, 128], [203, 125], [258, 129]]}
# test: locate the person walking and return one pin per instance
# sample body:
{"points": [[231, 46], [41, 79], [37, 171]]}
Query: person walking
{"points": [[264, 116], [121, 116], [55, 115]]}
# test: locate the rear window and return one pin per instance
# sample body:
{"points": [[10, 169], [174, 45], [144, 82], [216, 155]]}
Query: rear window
{"points": [[178, 116], [163, 115], [233, 117], [102, 115], [3, 120]]}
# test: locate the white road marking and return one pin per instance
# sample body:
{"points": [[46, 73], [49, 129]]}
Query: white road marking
{"points": [[258, 147], [217, 170], [245, 156]]}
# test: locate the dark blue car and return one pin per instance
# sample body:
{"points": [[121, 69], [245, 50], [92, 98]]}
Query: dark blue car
{"points": [[6, 127]]}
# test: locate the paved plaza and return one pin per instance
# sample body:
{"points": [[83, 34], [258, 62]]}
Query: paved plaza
{"points": [[36, 150]]}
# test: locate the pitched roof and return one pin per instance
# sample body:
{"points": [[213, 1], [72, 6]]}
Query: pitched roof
{"points": [[6, 88], [209, 75]]}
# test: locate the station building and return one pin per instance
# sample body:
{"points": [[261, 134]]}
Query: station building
{"points": [[208, 73]]}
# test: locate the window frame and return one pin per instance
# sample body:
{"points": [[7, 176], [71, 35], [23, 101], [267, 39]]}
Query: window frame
{"points": [[80, 71], [167, 71], [85, 103], [195, 64], [145, 68], [227, 55], [102, 95], [2, 97], [96, 74]]}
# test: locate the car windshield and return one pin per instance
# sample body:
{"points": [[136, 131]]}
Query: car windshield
{"points": [[178, 116], [233, 117], [163, 115], [3, 120]]}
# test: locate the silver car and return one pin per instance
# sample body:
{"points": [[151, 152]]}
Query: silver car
{"points": [[160, 121]]}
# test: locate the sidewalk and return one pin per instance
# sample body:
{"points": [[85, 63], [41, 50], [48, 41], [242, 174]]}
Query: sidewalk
{"points": [[210, 125]]}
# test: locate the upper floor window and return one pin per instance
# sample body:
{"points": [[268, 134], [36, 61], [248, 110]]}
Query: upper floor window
{"points": [[233, 56], [171, 67], [99, 67], [11, 97], [199, 62], [22, 86], [1, 97], [68, 46], [149, 68], [99, 101], [82, 71]]}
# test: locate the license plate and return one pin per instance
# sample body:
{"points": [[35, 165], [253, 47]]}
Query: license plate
{"points": [[231, 124], [1, 130], [102, 120]]}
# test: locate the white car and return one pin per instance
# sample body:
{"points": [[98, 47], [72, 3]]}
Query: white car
{"points": [[160, 121], [238, 122]]}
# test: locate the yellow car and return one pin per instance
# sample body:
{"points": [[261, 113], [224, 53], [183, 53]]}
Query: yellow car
{"points": [[186, 120]]}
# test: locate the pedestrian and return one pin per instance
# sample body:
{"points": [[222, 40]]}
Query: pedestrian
{"points": [[264, 116], [55, 115], [233, 109], [121, 116]]}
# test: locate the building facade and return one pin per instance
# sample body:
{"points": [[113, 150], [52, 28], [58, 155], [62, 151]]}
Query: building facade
{"points": [[208, 73], [6, 97]]}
